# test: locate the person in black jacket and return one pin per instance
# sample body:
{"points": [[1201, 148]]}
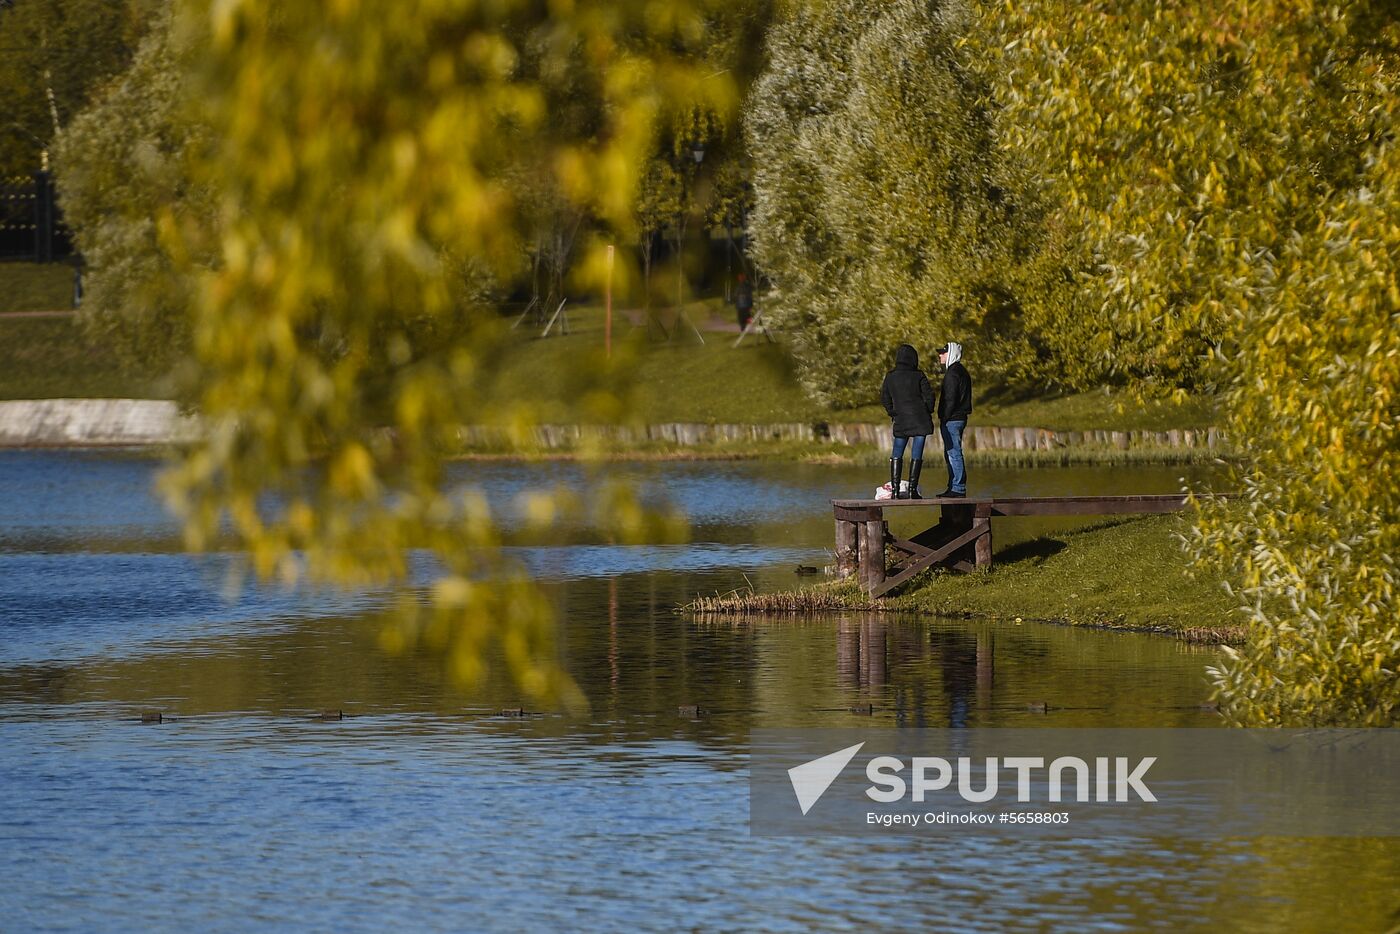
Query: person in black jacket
{"points": [[908, 398], [954, 406]]}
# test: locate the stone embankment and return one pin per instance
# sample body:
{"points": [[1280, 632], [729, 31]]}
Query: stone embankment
{"points": [[978, 437], [124, 422], [93, 422]]}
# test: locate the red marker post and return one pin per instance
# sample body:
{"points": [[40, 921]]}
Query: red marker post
{"points": [[607, 315]]}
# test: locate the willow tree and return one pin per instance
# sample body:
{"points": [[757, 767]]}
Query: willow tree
{"points": [[882, 212], [120, 163], [54, 54], [357, 163], [1222, 187]]}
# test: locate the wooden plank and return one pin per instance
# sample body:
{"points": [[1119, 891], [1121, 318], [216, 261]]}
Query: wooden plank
{"points": [[1038, 505], [1107, 499], [1089, 506], [856, 513], [905, 503], [977, 500], [847, 549], [978, 528], [913, 549]]}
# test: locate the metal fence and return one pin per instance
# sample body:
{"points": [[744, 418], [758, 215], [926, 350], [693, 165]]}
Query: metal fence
{"points": [[30, 225]]}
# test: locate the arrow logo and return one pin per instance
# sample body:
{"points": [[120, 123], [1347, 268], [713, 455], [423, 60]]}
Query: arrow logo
{"points": [[810, 780]]}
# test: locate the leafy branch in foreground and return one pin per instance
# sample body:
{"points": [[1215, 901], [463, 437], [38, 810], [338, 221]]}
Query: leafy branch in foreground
{"points": [[1228, 178], [356, 160]]}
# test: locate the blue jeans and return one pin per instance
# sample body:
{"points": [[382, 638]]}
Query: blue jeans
{"points": [[952, 433], [916, 449]]}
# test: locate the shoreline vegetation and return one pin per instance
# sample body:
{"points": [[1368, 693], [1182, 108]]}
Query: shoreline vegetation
{"points": [[1126, 575], [688, 401], [671, 381]]}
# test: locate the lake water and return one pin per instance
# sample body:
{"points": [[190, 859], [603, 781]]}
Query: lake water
{"points": [[426, 808]]}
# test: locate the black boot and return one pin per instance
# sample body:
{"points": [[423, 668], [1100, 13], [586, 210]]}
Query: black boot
{"points": [[896, 468], [915, 465]]}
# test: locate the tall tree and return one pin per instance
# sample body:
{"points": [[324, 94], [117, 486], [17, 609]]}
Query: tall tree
{"points": [[882, 213], [53, 55], [123, 167], [660, 198], [1222, 182]]}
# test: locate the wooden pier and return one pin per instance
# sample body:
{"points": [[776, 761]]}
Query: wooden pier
{"points": [[962, 538]]}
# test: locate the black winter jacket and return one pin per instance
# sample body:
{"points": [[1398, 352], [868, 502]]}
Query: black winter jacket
{"points": [[907, 395], [955, 399]]}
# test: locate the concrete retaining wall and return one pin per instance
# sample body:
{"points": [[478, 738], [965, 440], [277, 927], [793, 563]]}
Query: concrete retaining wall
{"points": [[79, 422], [986, 438], [74, 422]]}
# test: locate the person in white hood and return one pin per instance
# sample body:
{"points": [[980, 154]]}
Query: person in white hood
{"points": [[954, 407]]}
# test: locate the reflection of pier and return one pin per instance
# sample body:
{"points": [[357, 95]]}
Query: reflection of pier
{"points": [[867, 647], [861, 657], [962, 539]]}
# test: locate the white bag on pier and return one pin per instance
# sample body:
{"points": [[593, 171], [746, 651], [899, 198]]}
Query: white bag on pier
{"points": [[887, 492]]}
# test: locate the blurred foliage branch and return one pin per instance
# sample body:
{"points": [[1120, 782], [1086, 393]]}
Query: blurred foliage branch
{"points": [[1222, 184], [348, 196]]}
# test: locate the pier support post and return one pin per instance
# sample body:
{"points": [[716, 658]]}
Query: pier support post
{"points": [[983, 544], [872, 552], [847, 555]]}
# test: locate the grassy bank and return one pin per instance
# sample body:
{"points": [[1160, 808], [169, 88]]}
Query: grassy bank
{"points": [[682, 380], [36, 287], [1126, 574], [676, 380], [50, 358]]}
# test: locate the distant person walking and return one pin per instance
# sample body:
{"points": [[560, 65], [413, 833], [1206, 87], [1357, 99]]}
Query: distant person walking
{"points": [[908, 398], [954, 407], [743, 301]]}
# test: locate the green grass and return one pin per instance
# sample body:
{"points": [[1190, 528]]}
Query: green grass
{"points": [[1126, 574], [679, 380], [49, 358], [1106, 410], [36, 287], [675, 381], [683, 381]]}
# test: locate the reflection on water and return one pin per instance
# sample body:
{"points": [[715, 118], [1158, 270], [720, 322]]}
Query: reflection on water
{"points": [[427, 808]]}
